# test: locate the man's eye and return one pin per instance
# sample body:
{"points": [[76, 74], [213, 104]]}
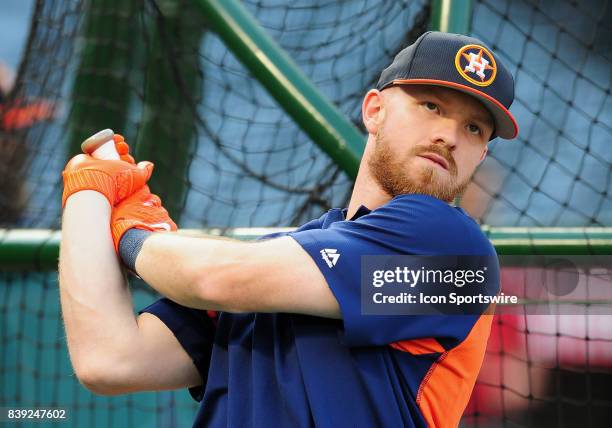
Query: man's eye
{"points": [[431, 106], [474, 129]]}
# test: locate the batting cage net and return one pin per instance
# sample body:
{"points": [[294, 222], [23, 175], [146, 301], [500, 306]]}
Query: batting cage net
{"points": [[227, 155]]}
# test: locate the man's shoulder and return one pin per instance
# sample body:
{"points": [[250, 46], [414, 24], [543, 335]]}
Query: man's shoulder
{"points": [[332, 215], [420, 209], [407, 224], [440, 227]]}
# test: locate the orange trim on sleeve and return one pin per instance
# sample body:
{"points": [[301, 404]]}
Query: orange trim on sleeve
{"points": [[427, 345], [446, 389]]}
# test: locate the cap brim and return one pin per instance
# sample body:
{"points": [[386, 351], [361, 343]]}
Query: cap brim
{"points": [[505, 124]]}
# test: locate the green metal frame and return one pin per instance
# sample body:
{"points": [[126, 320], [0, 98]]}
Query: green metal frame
{"points": [[285, 82], [105, 60], [25, 249], [167, 132], [550, 240], [318, 118], [451, 16]]}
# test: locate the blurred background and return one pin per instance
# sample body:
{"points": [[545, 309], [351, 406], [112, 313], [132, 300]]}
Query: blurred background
{"points": [[228, 155]]}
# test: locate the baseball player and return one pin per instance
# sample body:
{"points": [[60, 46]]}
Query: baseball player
{"points": [[271, 333]]}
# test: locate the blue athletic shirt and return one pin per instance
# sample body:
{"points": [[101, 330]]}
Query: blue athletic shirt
{"points": [[288, 370]]}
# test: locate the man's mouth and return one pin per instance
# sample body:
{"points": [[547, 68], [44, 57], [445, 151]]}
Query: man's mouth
{"points": [[436, 159]]}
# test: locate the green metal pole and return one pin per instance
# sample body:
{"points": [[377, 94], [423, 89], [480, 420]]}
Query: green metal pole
{"points": [[101, 91], [451, 16], [550, 240], [26, 249], [168, 132], [285, 82], [29, 249]]}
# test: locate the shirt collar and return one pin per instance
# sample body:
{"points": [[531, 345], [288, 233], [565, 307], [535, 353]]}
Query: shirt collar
{"points": [[361, 211]]}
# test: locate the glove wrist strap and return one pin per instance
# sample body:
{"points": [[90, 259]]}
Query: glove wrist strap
{"points": [[120, 228], [130, 246], [88, 179]]}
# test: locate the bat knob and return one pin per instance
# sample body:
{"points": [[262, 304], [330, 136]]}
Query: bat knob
{"points": [[101, 145]]}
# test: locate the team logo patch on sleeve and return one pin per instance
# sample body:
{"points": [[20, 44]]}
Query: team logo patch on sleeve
{"points": [[476, 65], [331, 256]]}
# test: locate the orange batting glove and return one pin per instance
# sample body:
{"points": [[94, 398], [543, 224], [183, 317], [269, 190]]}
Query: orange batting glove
{"points": [[115, 179], [142, 210], [123, 149]]}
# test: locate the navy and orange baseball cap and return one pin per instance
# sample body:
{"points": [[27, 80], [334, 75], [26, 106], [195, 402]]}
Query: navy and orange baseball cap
{"points": [[457, 62]]}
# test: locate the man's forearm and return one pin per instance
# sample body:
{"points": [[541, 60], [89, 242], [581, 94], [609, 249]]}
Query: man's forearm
{"points": [[96, 303], [274, 275], [189, 270]]}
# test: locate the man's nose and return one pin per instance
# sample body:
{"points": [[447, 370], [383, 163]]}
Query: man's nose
{"points": [[447, 132]]}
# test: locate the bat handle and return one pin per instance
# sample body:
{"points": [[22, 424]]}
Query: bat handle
{"points": [[101, 145]]}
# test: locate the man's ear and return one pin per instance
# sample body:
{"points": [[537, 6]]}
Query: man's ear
{"points": [[484, 154], [372, 111]]}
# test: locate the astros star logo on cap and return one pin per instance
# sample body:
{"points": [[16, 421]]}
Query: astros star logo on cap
{"points": [[476, 65]]}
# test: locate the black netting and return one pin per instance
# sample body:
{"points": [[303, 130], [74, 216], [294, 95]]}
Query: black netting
{"points": [[226, 155], [548, 362], [35, 369], [559, 171]]}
